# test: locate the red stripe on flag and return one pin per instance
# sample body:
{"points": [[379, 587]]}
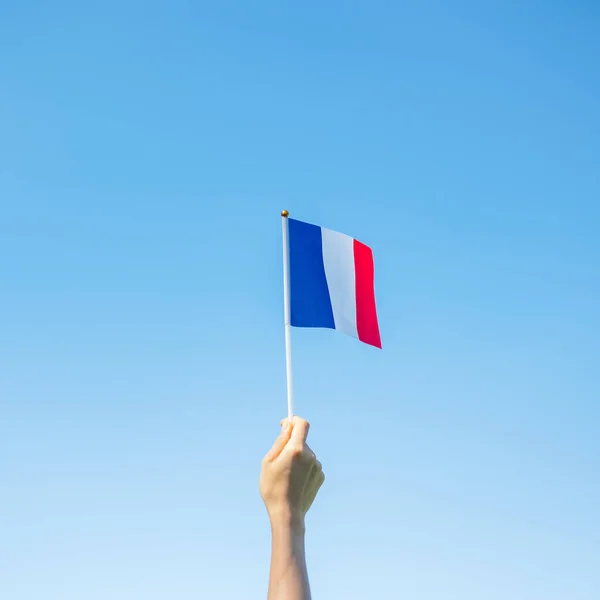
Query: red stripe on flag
{"points": [[366, 311]]}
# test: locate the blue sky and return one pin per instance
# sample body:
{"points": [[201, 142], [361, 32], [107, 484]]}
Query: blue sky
{"points": [[146, 151]]}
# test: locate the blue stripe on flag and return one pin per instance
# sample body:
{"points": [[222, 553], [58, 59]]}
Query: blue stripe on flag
{"points": [[310, 301]]}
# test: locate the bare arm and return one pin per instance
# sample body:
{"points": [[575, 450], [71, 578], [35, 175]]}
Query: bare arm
{"points": [[290, 479], [289, 576]]}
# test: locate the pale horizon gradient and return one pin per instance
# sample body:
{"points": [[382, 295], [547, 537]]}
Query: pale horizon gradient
{"points": [[146, 152]]}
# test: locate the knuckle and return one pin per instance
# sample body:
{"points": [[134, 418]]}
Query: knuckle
{"points": [[302, 423], [296, 450], [307, 454]]}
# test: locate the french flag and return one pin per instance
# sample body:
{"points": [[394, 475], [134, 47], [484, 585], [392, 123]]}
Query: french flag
{"points": [[332, 282]]}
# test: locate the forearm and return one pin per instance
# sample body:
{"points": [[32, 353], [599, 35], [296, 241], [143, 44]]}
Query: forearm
{"points": [[289, 576]]}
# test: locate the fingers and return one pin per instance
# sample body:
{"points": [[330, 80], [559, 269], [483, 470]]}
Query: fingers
{"points": [[280, 442], [316, 481], [313, 473]]}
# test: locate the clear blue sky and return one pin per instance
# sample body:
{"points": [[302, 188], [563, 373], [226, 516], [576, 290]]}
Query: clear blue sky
{"points": [[146, 150]]}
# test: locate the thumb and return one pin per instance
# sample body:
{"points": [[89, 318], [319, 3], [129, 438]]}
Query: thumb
{"points": [[300, 430], [280, 442]]}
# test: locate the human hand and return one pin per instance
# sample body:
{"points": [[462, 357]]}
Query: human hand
{"points": [[291, 474]]}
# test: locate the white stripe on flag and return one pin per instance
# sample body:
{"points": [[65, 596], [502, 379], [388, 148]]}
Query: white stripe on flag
{"points": [[338, 258]]}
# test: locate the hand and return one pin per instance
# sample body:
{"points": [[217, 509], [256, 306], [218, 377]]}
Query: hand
{"points": [[291, 474]]}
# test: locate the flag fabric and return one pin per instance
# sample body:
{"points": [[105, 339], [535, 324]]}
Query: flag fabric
{"points": [[332, 282]]}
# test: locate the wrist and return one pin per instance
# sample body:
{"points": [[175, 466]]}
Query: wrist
{"points": [[285, 519]]}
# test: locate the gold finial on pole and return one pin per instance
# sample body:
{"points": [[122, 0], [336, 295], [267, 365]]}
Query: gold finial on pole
{"points": [[285, 214]]}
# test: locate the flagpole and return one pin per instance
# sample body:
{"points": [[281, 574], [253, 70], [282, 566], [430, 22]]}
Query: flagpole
{"points": [[286, 310]]}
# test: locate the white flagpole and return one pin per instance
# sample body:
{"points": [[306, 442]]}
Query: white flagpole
{"points": [[286, 310]]}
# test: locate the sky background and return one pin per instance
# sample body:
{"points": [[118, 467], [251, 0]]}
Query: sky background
{"points": [[146, 151]]}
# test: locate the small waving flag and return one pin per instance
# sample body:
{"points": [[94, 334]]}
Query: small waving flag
{"points": [[331, 277]]}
